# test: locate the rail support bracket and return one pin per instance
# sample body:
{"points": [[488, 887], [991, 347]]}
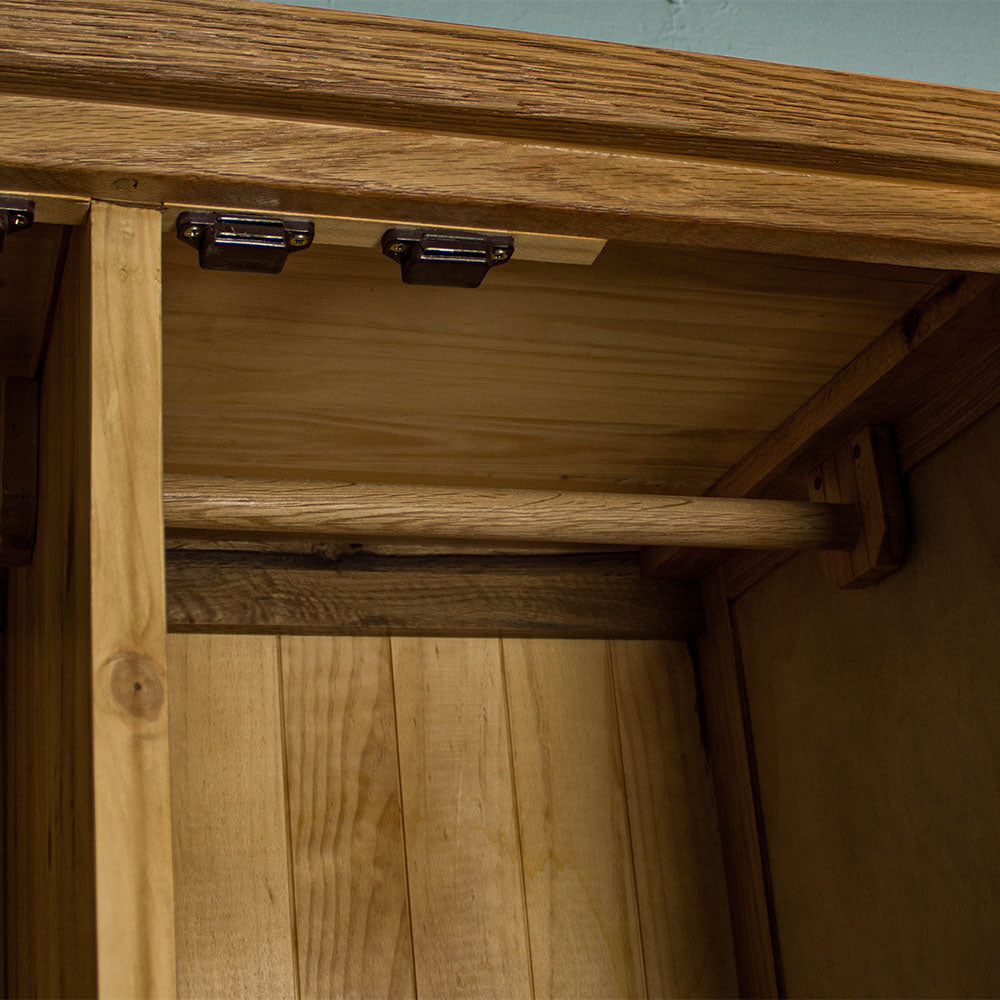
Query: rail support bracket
{"points": [[865, 472]]}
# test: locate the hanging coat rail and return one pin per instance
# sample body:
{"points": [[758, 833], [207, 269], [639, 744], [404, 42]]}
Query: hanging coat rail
{"points": [[238, 506]]}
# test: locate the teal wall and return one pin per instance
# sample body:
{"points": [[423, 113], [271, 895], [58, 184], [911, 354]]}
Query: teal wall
{"points": [[945, 41]]}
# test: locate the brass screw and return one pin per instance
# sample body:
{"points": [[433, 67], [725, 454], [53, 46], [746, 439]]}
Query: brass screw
{"points": [[190, 232], [499, 254], [19, 220], [298, 239], [397, 248]]}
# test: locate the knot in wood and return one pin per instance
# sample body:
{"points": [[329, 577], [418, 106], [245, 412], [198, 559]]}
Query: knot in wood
{"points": [[136, 685]]}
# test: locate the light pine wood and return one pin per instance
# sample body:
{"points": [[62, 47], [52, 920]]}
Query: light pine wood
{"points": [[348, 856], [946, 339], [578, 874], [673, 825], [568, 596], [874, 721], [731, 755], [650, 371], [235, 927], [230, 505], [340, 231], [49, 896], [463, 861], [128, 608]]}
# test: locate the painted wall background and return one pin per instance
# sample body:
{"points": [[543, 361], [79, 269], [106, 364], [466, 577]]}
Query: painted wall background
{"points": [[944, 41]]}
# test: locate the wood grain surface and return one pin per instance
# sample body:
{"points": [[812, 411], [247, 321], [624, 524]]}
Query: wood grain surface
{"points": [[142, 155], [673, 824], [228, 505], [650, 371], [135, 918], [568, 596], [235, 929], [462, 849], [319, 64], [942, 351], [348, 857], [874, 720], [579, 879]]}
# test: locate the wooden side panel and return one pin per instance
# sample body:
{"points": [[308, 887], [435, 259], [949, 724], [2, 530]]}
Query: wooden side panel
{"points": [[235, 933], [681, 890], [874, 718], [50, 895], [463, 864], [578, 874], [91, 911], [348, 859]]}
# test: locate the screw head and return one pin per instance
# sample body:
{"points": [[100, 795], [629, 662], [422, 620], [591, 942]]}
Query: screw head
{"points": [[298, 239], [397, 247], [19, 220], [499, 253], [191, 232]]}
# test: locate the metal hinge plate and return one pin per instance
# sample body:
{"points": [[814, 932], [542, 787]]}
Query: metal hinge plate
{"points": [[454, 259], [229, 241], [16, 215]]}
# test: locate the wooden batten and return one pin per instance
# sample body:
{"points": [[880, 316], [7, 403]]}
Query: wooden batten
{"points": [[572, 596]]}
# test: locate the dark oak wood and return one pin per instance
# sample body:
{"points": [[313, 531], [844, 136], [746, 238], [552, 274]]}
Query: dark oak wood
{"points": [[18, 470], [562, 596], [730, 753], [932, 372]]}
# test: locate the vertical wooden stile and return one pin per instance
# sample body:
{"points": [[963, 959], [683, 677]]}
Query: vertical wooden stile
{"points": [[731, 761], [88, 779]]}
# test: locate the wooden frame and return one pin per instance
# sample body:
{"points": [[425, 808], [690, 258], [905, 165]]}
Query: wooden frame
{"points": [[343, 116]]}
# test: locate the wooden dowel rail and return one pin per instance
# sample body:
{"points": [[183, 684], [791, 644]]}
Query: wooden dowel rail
{"points": [[238, 506]]}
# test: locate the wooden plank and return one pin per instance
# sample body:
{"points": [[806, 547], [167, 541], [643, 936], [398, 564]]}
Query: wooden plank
{"points": [[569, 596], [876, 837], [348, 857], [687, 941], [135, 918], [49, 898], [652, 371], [349, 232], [18, 470], [235, 930], [731, 756], [463, 862], [313, 64], [578, 871], [950, 327], [229, 505], [317, 168]]}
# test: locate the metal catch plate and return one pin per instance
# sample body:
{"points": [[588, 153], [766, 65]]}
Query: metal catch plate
{"points": [[16, 215], [237, 242], [454, 259]]}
